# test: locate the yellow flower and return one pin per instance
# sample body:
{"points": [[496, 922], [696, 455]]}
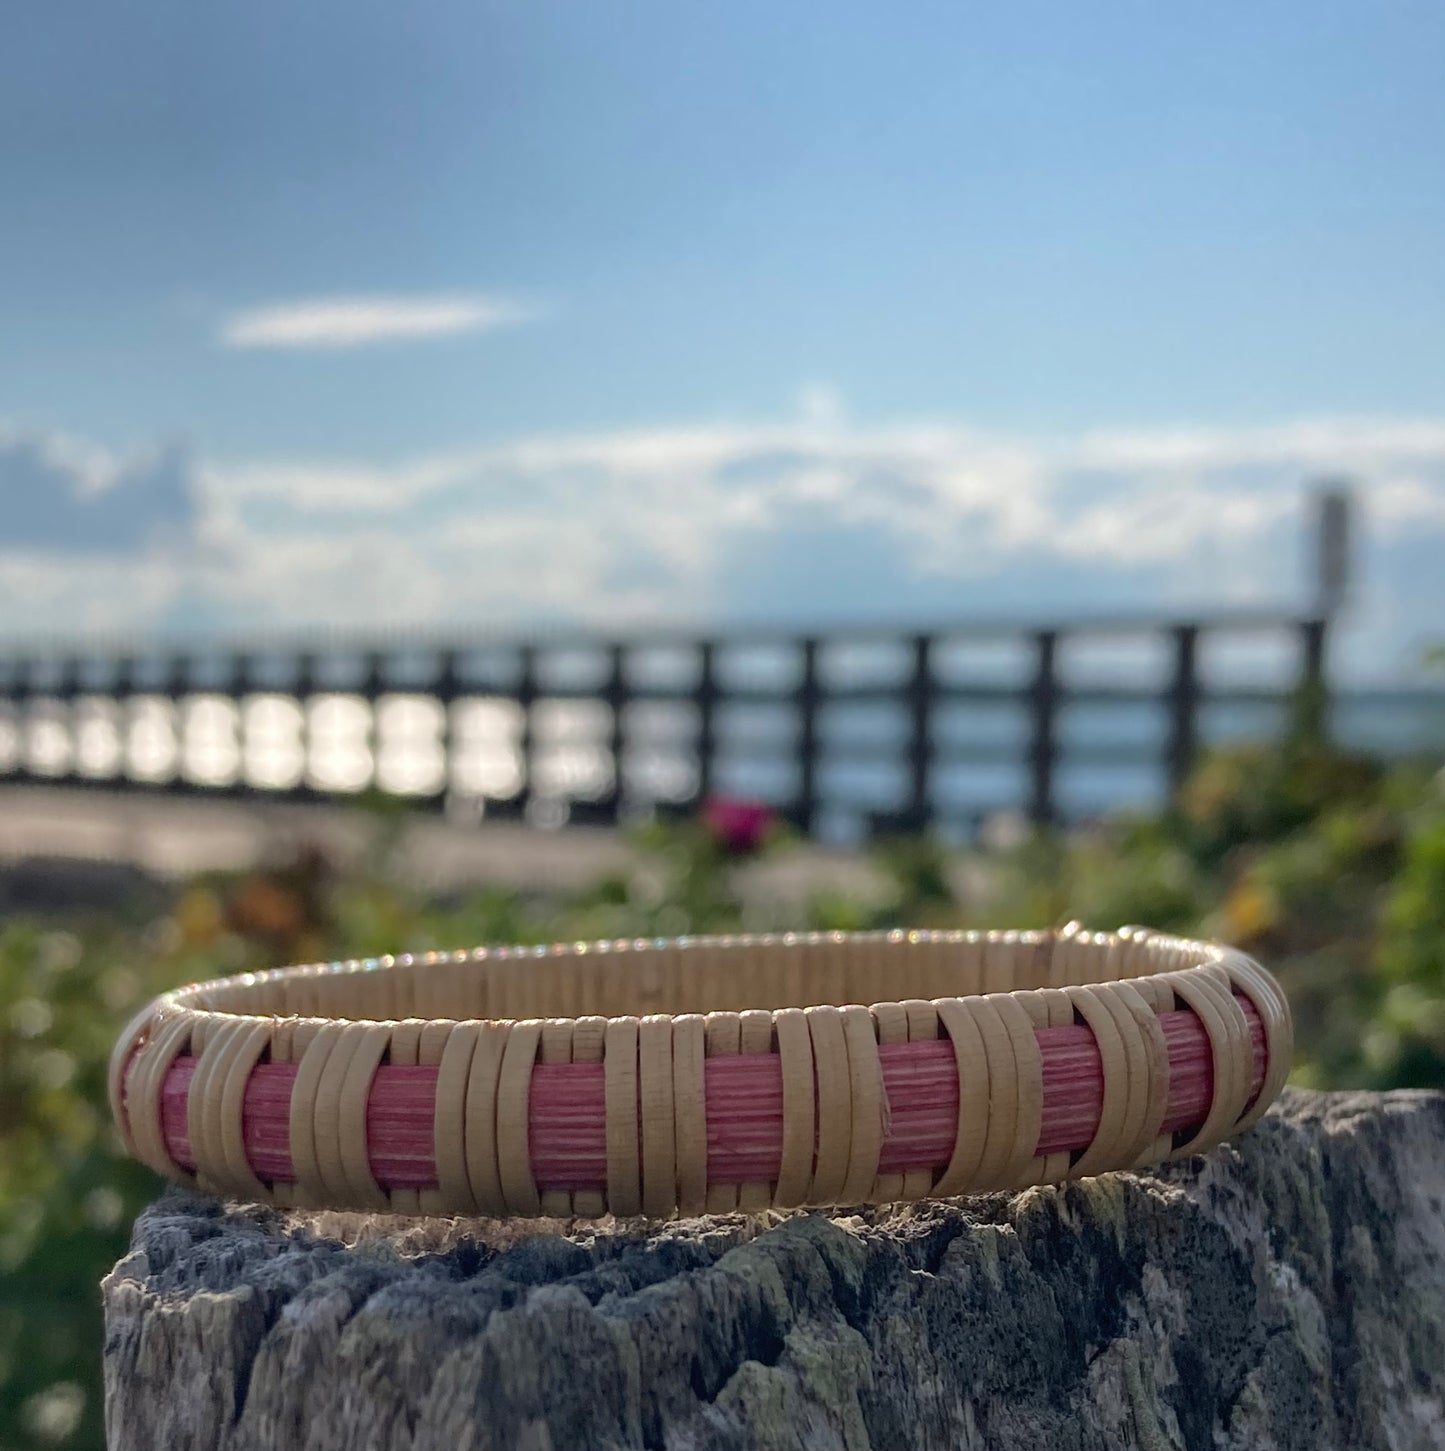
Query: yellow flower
{"points": [[1249, 911]]}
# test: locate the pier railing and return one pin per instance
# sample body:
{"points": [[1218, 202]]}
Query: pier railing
{"points": [[888, 730]]}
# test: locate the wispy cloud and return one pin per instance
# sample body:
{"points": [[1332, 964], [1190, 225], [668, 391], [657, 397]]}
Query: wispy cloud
{"points": [[802, 520], [356, 322]]}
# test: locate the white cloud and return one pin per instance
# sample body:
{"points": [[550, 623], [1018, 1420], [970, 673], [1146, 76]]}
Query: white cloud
{"points": [[683, 523], [354, 322]]}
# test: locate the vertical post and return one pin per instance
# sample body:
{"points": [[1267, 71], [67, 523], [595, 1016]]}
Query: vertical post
{"points": [[67, 693], [178, 678], [22, 688], [373, 687], [526, 697], [920, 733], [303, 678], [445, 690], [1044, 703], [1183, 743], [303, 686], [123, 688], [705, 699], [1312, 706], [1312, 664], [1333, 546], [177, 687], [446, 687], [67, 683], [373, 681], [807, 701], [237, 686], [614, 693]]}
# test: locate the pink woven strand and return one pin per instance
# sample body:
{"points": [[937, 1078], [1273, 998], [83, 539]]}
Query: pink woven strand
{"points": [[744, 1109]]}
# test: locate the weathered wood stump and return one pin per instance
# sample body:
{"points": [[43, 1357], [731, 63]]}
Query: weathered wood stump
{"points": [[1284, 1291]]}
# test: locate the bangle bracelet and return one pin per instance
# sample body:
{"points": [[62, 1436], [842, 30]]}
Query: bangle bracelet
{"points": [[702, 1074]]}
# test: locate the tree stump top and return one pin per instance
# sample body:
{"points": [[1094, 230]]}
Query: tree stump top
{"points": [[1283, 1291]]}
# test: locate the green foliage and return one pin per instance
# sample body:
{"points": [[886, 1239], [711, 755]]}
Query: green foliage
{"points": [[66, 1195], [1330, 869], [1406, 1042]]}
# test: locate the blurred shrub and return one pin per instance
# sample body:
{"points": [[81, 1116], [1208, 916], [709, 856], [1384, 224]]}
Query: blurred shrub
{"points": [[1406, 1040], [1329, 868], [66, 1196]]}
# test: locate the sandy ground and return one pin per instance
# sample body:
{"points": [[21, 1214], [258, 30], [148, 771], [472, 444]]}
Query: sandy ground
{"points": [[170, 837]]}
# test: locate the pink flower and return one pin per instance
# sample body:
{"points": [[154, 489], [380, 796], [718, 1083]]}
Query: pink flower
{"points": [[739, 827]]}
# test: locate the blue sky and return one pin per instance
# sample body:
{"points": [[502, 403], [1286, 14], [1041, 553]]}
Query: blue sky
{"points": [[467, 311]]}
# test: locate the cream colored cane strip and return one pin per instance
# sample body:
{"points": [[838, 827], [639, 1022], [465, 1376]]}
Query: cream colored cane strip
{"points": [[1246, 976], [922, 1028], [1103, 1152], [723, 1036], [658, 1128], [514, 1095], [371, 1046], [869, 1104], [1237, 1031], [755, 1036], [328, 1110], [1231, 1088], [1222, 985], [241, 1179], [1152, 1058], [1016, 1011], [891, 1020], [1001, 1138], [1147, 1076], [624, 1158], [133, 1038], [283, 1050], [203, 1105], [483, 1167], [1159, 996], [1035, 947], [961, 1172], [689, 1108], [453, 1194], [402, 1053], [556, 1048], [1060, 1015], [589, 1036], [1134, 1129], [795, 1049], [341, 1102], [289, 1041], [143, 1094], [1199, 995], [964, 956], [431, 1048], [405, 1048], [1037, 1008], [999, 963], [310, 1187], [835, 1104]]}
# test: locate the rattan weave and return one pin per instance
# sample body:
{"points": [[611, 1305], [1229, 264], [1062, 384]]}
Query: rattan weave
{"points": [[704, 1074]]}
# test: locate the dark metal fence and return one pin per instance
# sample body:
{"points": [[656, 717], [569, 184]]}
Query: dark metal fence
{"points": [[893, 730]]}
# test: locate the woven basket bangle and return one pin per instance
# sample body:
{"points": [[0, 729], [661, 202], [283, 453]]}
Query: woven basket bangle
{"points": [[702, 1074]]}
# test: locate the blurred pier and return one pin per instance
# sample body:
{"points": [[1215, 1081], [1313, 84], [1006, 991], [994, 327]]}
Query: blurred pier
{"points": [[848, 734]]}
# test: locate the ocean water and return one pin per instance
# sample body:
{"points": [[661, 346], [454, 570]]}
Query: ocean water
{"points": [[409, 744]]}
